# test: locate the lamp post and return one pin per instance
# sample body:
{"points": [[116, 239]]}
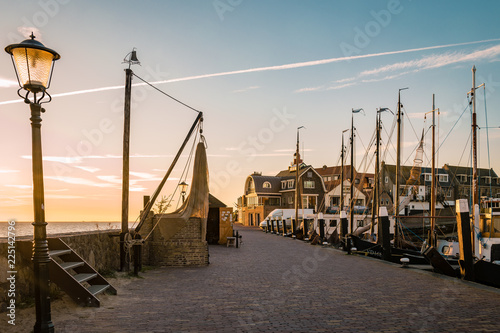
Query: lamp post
{"points": [[33, 63], [183, 187]]}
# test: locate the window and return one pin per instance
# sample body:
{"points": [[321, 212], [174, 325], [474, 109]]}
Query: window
{"points": [[487, 180], [290, 183], [427, 177], [462, 178], [266, 185], [336, 177], [443, 178], [283, 184], [290, 200], [274, 202], [309, 174], [309, 184]]}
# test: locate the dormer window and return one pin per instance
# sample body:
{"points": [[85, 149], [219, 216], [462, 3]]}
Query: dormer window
{"points": [[266, 185]]}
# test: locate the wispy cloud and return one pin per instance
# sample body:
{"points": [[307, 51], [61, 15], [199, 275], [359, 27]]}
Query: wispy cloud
{"points": [[22, 187], [436, 61], [87, 168], [8, 171], [79, 181], [393, 71], [269, 68], [5, 83], [345, 85], [246, 89]]}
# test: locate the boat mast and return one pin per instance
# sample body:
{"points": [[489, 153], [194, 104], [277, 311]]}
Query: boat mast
{"points": [[376, 194], [342, 174], [398, 171], [432, 239], [297, 180], [351, 204], [475, 192]]}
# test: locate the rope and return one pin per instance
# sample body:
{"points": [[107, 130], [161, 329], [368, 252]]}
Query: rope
{"points": [[164, 93], [175, 190], [411, 231], [487, 138]]}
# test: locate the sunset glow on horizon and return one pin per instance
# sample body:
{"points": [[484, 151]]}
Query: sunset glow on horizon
{"points": [[257, 70]]}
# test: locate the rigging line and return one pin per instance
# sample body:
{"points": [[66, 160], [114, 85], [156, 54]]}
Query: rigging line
{"points": [[164, 93], [449, 132], [487, 139], [175, 190], [187, 166]]}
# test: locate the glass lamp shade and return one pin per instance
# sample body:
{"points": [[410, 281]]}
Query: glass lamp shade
{"points": [[183, 187], [33, 63]]}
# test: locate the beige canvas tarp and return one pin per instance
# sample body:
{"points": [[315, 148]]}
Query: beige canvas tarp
{"points": [[196, 203]]}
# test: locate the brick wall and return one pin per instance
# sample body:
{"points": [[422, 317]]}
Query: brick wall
{"points": [[185, 248]]}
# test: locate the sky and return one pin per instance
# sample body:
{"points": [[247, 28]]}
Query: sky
{"points": [[258, 70]]}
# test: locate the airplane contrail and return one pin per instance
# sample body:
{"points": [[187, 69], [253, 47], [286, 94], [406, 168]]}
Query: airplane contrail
{"points": [[269, 68]]}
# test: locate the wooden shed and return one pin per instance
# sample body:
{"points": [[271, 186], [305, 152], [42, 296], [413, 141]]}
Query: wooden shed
{"points": [[219, 222]]}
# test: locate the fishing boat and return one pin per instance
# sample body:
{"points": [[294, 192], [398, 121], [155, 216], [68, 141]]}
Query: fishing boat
{"points": [[479, 246]]}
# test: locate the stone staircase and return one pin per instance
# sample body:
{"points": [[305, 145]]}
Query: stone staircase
{"points": [[74, 275]]}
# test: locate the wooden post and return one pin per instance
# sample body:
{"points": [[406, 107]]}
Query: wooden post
{"points": [[384, 233], [321, 229], [125, 172], [343, 226], [465, 240]]}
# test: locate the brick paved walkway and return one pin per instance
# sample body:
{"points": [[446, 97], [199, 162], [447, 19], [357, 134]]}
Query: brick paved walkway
{"points": [[276, 284]]}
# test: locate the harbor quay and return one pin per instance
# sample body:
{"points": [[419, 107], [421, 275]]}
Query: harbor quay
{"points": [[272, 283]]}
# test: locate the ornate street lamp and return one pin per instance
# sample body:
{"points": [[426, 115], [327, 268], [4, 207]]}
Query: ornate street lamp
{"points": [[33, 64], [183, 187]]}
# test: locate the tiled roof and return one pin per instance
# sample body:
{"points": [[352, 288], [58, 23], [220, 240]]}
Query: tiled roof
{"points": [[259, 184]]}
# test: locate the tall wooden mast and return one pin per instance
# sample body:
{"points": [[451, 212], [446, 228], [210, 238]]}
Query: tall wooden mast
{"points": [[432, 239], [398, 170]]}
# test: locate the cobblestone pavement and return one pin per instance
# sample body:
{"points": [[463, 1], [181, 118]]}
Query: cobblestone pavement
{"points": [[276, 284]]}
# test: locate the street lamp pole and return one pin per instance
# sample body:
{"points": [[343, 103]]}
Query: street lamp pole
{"points": [[33, 63]]}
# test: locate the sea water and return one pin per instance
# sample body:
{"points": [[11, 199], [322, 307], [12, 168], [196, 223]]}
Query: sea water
{"points": [[26, 228]]}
